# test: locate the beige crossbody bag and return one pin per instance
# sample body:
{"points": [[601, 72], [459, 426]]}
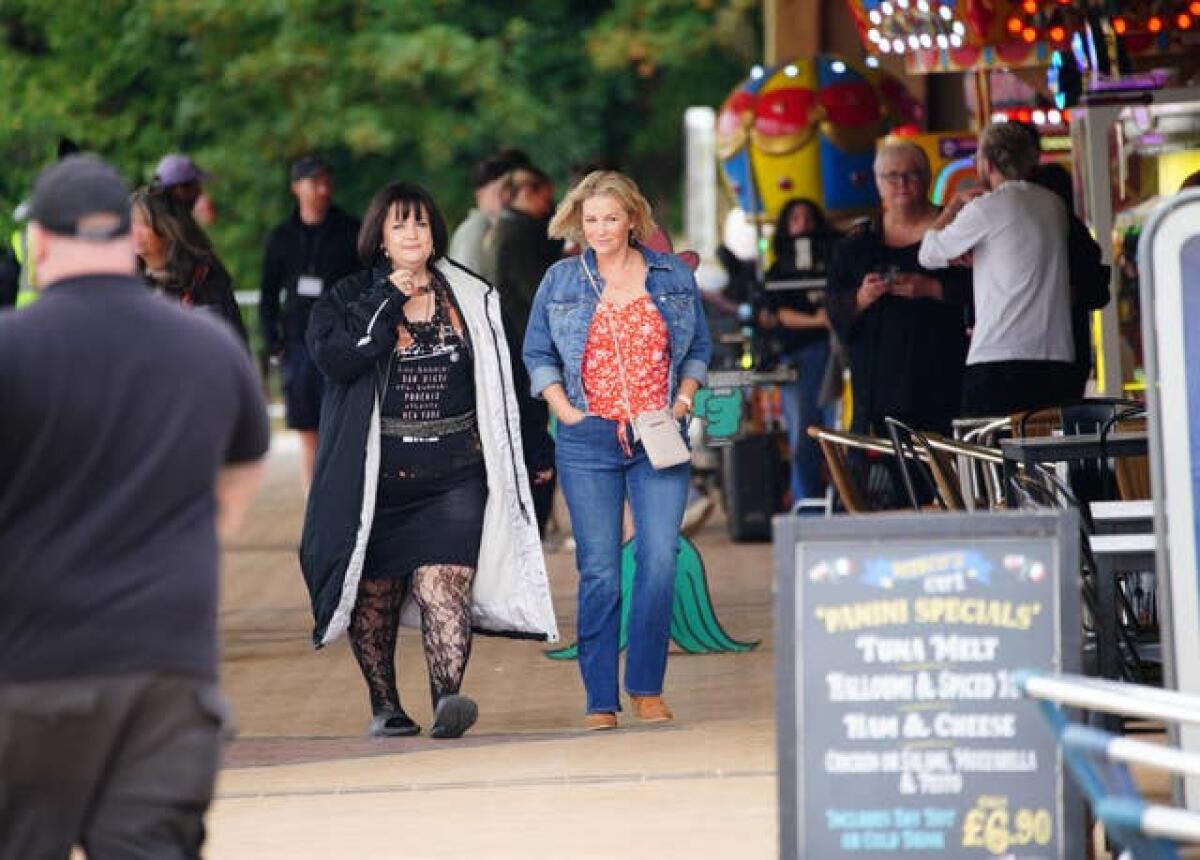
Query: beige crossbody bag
{"points": [[656, 428]]}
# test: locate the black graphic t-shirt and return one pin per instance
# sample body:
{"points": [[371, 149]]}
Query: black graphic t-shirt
{"points": [[429, 431]]}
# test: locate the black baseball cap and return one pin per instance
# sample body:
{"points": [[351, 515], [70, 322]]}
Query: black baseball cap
{"points": [[308, 167], [81, 196]]}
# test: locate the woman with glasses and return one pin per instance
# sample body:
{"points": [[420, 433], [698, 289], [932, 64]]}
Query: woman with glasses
{"points": [[903, 325]]}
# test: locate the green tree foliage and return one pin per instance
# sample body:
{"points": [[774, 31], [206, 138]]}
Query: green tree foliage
{"points": [[384, 88]]}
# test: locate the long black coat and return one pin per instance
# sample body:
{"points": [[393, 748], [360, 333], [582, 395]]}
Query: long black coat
{"points": [[331, 521]]}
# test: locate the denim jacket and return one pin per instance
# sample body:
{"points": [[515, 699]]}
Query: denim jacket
{"points": [[562, 315]]}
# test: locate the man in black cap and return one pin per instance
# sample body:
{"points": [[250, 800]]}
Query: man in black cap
{"points": [[131, 435], [305, 256]]}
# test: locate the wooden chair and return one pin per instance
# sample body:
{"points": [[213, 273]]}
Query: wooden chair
{"points": [[1132, 473], [835, 446]]}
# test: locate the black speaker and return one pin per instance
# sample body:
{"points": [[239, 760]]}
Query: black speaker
{"points": [[752, 482]]}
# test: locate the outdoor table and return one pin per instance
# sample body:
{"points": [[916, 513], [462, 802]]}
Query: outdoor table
{"points": [[1031, 450]]}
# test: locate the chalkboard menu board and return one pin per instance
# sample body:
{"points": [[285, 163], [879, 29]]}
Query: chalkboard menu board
{"points": [[901, 729]]}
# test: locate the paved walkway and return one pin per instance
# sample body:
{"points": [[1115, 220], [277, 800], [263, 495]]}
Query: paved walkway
{"points": [[302, 780]]}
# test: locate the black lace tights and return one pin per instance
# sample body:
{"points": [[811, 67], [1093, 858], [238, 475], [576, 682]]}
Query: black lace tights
{"points": [[443, 592]]}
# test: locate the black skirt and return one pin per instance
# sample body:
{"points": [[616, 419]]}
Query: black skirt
{"points": [[443, 526]]}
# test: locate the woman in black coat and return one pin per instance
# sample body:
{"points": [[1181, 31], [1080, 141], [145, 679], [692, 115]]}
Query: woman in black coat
{"points": [[419, 492]]}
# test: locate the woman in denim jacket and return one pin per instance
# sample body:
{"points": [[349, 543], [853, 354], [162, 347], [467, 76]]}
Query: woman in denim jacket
{"points": [[600, 350]]}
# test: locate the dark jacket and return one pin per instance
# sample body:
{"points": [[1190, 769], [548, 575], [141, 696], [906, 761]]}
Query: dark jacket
{"points": [[1089, 289], [906, 355], [517, 254], [10, 277], [209, 287], [326, 251], [331, 520]]}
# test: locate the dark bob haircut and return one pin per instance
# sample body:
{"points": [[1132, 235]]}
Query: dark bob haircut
{"points": [[409, 197]]}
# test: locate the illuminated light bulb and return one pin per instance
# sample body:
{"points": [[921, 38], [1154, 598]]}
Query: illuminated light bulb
{"points": [[1030, 7], [1183, 21], [926, 40], [886, 8], [1029, 35], [960, 28], [1057, 33], [946, 14], [914, 42], [1014, 25], [1194, 7], [875, 17], [756, 72], [999, 116], [956, 41], [1024, 115], [791, 71], [874, 35], [872, 62], [1039, 117], [942, 41], [903, 4], [1120, 25], [838, 67], [885, 47], [1053, 117], [923, 6], [1155, 24], [898, 45]]}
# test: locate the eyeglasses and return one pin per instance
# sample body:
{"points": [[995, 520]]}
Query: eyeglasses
{"points": [[893, 177]]}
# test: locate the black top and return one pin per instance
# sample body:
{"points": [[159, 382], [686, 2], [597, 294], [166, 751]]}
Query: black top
{"points": [[517, 254], [820, 249], [209, 287], [428, 406], [118, 410], [295, 249], [906, 355]]}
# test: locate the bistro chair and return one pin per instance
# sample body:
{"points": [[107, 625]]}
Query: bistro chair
{"points": [[1136, 646], [984, 473], [927, 474], [859, 468], [1132, 473], [1090, 479]]}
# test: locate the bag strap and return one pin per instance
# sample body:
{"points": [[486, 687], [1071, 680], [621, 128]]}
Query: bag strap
{"points": [[616, 343]]}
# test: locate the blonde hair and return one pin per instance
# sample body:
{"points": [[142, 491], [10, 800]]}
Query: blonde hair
{"points": [[898, 146], [567, 222]]}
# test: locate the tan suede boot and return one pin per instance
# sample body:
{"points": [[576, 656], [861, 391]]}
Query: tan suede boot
{"points": [[600, 721], [651, 709]]}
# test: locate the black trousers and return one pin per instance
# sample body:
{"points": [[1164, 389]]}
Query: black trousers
{"points": [[121, 766], [1007, 387]]}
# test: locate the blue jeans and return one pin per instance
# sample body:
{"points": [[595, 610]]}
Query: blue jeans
{"points": [[801, 411], [596, 477]]}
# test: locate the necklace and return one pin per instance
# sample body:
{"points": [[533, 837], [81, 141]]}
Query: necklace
{"points": [[428, 334]]}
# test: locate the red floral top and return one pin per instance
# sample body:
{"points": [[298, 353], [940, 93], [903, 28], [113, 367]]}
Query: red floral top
{"points": [[645, 351]]}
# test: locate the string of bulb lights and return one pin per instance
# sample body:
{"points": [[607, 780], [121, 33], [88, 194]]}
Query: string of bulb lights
{"points": [[905, 26], [899, 26]]}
